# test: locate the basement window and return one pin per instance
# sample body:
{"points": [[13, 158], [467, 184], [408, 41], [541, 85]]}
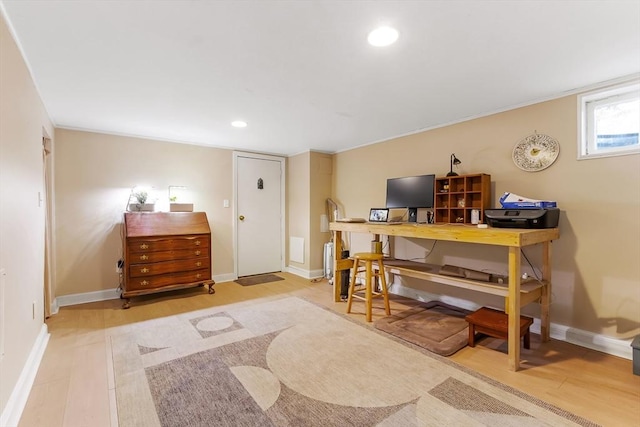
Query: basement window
{"points": [[609, 121]]}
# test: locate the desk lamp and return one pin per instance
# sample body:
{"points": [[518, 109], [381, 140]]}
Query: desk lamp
{"points": [[454, 162]]}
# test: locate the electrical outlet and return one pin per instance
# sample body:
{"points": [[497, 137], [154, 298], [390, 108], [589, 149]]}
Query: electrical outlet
{"points": [[119, 265], [225, 203]]}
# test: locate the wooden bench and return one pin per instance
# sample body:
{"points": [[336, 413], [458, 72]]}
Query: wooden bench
{"points": [[495, 323]]}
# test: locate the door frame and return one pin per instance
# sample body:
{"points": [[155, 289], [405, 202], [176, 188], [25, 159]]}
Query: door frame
{"points": [[283, 177]]}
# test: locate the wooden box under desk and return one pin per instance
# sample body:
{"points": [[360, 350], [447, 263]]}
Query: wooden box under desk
{"points": [[495, 323], [165, 251]]}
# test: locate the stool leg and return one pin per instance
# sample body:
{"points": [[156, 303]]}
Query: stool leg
{"points": [[472, 335], [383, 283], [368, 291], [352, 283], [527, 340]]}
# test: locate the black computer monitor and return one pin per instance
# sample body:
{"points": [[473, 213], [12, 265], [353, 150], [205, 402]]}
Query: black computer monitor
{"points": [[410, 192]]}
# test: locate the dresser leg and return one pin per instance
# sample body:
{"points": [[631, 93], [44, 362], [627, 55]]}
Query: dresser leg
{"points": [[211, 290], [126, 303]]}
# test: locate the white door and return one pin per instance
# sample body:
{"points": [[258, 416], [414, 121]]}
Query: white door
{"points": [[259, 219]]}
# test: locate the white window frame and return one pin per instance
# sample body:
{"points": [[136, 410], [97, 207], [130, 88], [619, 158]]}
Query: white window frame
{"points": [[586, 134]]}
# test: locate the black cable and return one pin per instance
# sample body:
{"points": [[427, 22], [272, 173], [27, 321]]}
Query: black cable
{"points": [[530, 265], [431, 250]]}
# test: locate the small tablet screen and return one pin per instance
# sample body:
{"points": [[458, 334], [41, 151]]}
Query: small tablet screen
{"points": [[378, 215]]}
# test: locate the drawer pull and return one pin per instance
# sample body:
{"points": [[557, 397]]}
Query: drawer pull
{"points": [[144, 270], [197, 242], [144, 283], [144, 246], [198, 264], [198, 252], [198, 276], [144, 257]]}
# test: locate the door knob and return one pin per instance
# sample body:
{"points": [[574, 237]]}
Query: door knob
{"points": [[241, 217]]}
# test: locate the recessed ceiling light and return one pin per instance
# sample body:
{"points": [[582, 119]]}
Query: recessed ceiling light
{"points": [[239, 124], [383, 36]]}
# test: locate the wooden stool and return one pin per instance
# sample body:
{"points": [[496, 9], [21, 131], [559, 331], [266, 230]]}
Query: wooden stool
{"points": [[369, 293], [495, 323]]}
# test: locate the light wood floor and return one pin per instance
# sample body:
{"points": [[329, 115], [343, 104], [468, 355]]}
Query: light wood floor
{"points": [[74, 385]]}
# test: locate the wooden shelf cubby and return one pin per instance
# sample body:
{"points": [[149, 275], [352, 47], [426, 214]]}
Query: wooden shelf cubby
{"points": [[457, 196]]}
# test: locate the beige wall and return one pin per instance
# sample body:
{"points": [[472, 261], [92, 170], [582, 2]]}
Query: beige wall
{"points": [[320, 170], [23, 123], [596, 271], [298, 204], [308, 187], [94, 175]]}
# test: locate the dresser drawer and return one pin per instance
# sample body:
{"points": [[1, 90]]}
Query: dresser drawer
{"points": [[149, 257], [152, 269], [155, 245], [164, 251], [151, 282]]}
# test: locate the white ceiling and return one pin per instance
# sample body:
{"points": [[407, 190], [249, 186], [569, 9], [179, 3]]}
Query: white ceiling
{"points": [[301, 72]]}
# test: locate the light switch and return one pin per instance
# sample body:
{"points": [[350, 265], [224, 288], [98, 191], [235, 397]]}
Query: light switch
{"points": [[225, 203]]}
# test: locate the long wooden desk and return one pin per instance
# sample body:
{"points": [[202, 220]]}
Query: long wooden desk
{"points": [[513, 239]]}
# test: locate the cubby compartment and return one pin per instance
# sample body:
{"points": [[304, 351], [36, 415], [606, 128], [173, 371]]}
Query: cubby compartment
{"points": [[457, 196]]}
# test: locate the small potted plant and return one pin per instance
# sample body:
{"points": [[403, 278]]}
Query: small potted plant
{"points": [[141, 205]]}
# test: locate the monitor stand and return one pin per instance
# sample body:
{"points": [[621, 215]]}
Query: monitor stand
{"points": [[413, 215]]}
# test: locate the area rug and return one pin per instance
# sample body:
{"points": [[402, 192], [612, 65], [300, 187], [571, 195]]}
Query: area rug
{"points": [[258, 279], [288, 362], [434, 325]]}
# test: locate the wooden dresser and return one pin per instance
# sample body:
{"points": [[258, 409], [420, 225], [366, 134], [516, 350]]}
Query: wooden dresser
{"points": [[164, 251]]}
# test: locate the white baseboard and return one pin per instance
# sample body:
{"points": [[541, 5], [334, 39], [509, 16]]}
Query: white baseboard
{"points": [[18, 399], [83, 298], [107, 294], [229, 277], [307, 274], [602, 343], [609, 345]]}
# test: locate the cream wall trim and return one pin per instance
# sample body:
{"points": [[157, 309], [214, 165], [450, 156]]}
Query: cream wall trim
{"points": [[134, 135], [307, 274], [83, 298], [18, 399], [220, 278], [613, 346], [609, 345], [86, 297], [600, 85], [54, 307]]}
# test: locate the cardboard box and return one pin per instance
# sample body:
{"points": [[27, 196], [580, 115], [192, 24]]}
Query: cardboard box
{"points": [[180, 207], [142, 207]]}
